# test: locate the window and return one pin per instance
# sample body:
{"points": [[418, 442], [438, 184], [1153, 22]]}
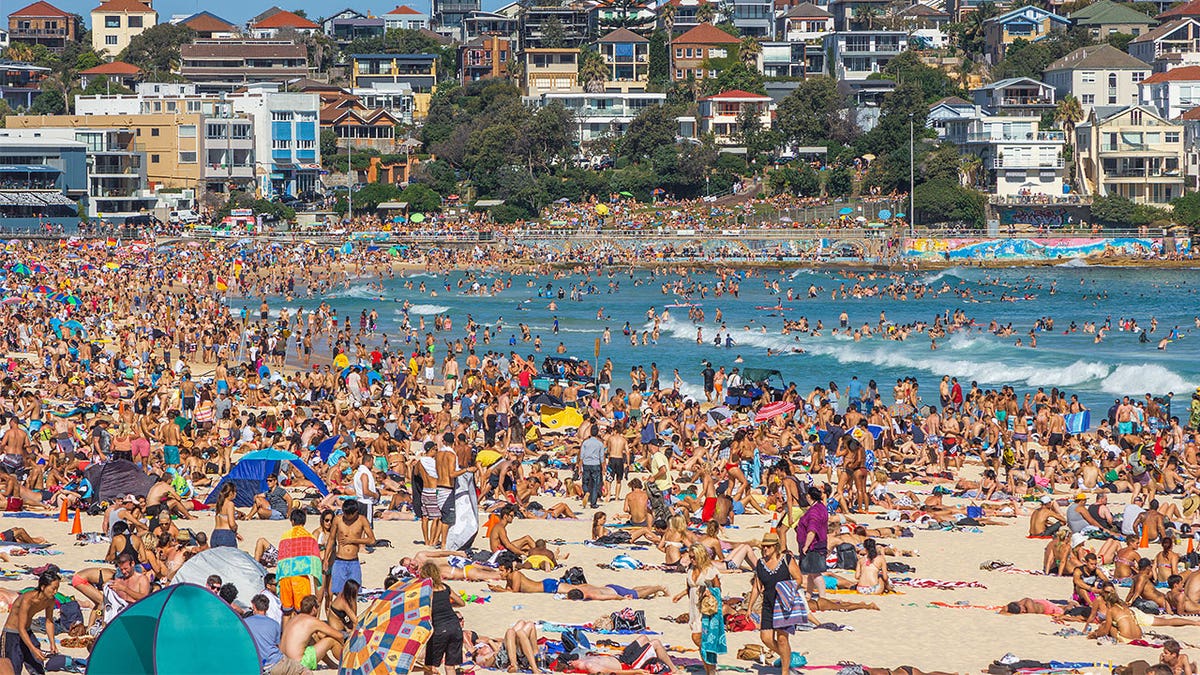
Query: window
{"points": [[306, 145], [678, 74], [154, 159], [281, 116], [1171, 137], [1088, 99], [187, 131], [112, 22], [1112, 80], [1135, 117], [135, 22], [1088, 77], [193, 106], [679, 52], [281, 145], [154, 131], [188, 157], [172, 106], [110, 39], [717, 53]]}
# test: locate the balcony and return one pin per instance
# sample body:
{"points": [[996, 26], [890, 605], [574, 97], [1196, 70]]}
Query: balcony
{"points": [[1032, 136], [37, 33], [1028, 163], [1025, 100], [1138, 148]]}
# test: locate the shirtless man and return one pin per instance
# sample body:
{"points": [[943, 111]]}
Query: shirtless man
{"points": [[447, 474], [1143, 588], [130, 583], [1037, 606], [310, 640], [1040, 519], [19, 646], [425, 468], [171, 438], [516, 582], [499, 540], [1150, 524], [618, 459], [15, 439], [162, 495], [637, 504], [349, 533]]}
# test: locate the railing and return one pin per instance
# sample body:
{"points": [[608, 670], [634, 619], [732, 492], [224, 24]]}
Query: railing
{"points": [[1025, 100], [983, 137], [1143, 173], [1027, 163], [1027, 200]]}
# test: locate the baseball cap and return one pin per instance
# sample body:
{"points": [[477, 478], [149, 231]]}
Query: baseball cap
{"points": [[1046, 499]]}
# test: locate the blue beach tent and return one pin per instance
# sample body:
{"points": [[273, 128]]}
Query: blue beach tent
{"points": [[250, 475]]}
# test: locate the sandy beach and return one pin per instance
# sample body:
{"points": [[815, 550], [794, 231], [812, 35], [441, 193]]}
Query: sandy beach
{"points": [[908, 631]]}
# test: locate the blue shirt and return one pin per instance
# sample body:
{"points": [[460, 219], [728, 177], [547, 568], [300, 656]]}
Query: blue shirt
{"points": [[266, 633], [854, 390]]}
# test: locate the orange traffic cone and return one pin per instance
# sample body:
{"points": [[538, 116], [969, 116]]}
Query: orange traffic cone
{"points": [[1191, 545], [76, 526], [1145, 543], [62, 511]]}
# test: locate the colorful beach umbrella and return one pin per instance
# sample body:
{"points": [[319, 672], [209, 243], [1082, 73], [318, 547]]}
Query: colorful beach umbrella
{"points": [[39, 268], [42, 288], [391, 632], [845, 211], [885, 214], [21, 268], [417, 217], [71, 300], [773, 410]]}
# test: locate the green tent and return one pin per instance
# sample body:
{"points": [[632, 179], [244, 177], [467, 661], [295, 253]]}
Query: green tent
{"points": [[180, 630]]}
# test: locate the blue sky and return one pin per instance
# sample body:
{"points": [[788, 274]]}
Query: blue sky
{"points": [[239, 11]]}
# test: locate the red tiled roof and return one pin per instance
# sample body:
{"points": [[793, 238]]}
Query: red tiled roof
{"points": [[1193, 114], [738, 93], [285, 19], [207, 23], [1181, 74], [40, 9], [1188, 9], [125, 6], [114, 68], [706, 34], [404, 9]]}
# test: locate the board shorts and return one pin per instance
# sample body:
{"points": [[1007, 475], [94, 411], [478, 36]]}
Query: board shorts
{"points": [[292, 590], [342, 571], [171, 454], [616, 468], [814, 562], [309, 659], [430, 506], [139, 447]]}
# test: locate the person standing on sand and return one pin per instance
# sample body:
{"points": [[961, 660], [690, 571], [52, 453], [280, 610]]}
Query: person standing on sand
{"points": [[18, 646]]}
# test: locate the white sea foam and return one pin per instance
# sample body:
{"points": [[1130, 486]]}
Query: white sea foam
{"points": [[355, 292], [428, 309], [1074, 262], [1146, 377]]}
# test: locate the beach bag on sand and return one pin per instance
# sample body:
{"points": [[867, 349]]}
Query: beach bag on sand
{"points": [[751, 652], [629, 620], [847, 556], [574, 576]]}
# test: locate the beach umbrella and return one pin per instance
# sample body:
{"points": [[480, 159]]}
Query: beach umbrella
{"points": [[347, 248], [845, 211], [885, 214], [10, 300], [181, 629], [719, 415], [390, 632], [773, 410], [42, 288], [39, 268], [72, 300], [417, 217], [21, 268], [626, 194], [601, 209], [899, 215], [658, 191], [74, 326], [325, 447], [785, 219]]}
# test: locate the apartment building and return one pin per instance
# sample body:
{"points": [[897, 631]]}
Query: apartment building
{"points": [[483, 57], [41, 179], [1097, 75], [116, 22], [605, 115], [805, 22], [857, 55], [1018, 157], [550, 70], [1172, 44], [217, 66], [575, 19], [404, 17], [269, 26], [20, 83], [752, 18], [418, 71], [209, 26], [626, 60], [721, 115], [1171, 93], [792, 59], [447, 15], [1131, 152], [43, 24], [1105, 18], [1016, 97], [702, 52]]}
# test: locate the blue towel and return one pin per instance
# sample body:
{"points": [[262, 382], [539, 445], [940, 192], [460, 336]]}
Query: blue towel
{"points": [[712, 633]]}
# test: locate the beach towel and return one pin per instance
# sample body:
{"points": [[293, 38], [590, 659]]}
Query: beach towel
{"points": [[299, 555], [939, 584], [466, 508], [712, 631]]}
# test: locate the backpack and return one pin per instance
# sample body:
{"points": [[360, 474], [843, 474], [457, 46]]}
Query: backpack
{"points": [[658, 505], [847, 556], [629, 620], [573, 576]]}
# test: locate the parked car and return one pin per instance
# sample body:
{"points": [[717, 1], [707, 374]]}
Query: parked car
{"points": [[183, 217]]}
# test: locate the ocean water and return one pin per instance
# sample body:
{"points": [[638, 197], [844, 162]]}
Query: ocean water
{"points": [[1072, 362]]}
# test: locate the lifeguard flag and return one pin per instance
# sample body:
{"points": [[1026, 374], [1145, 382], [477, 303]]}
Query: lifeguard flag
{"points": [[222, 285]]}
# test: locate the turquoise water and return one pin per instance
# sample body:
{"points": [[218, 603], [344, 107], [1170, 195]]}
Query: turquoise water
{"points": [[1096, 372]]}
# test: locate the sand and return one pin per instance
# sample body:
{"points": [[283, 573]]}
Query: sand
{"points": [[907, 631]]}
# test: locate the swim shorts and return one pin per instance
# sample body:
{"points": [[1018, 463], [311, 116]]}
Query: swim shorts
{"points": [[342, 571], [622, 591], [309, 660], [171, 454], [430, 507], [292, 590], [549, 585]]}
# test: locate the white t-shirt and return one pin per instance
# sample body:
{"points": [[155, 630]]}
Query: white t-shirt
{"points": [[1131, 514]]}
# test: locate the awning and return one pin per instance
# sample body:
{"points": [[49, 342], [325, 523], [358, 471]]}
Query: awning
{"points": [[56, 199], [27, 168], [488, 203], [392, 206], [310, 167]]}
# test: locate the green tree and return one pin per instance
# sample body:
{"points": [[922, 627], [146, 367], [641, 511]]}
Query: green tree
{"points": [[944, 200], [659, 74], [329, 143], [592, 71], [1068, 113], [736, 76], [103, 85], [814, 113], [1120, 40], [49, 102], [156, 49], [553, 34], [421, 198], [839, 182], [653, 128], [5, 111], [706, 12], [908, 67], [1187, 209], [438, 175], [371, 195], [943, 163]]}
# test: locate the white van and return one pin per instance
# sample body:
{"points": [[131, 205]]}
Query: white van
{"points": [[184, 217]]}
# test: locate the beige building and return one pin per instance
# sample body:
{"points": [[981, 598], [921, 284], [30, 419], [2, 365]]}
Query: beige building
{"points": [[551, 70], [116, 22], [1131, 152], [172, 142]]}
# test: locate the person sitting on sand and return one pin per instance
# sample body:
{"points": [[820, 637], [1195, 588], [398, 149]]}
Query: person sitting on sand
{"points": [[631, 661], [518, 649], [1174, 658], [498, 536], [1124, 623], [310, 640]]}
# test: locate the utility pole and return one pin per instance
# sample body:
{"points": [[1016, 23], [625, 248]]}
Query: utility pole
{"points": [[350, 175], [912, 214]]}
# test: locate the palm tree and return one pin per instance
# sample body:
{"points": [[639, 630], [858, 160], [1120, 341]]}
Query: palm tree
{"points": [[1068, 113], [748, 51], [667, 16], [592, 72], [969, 166], [19, 52], [706, 12], [516, 71]]}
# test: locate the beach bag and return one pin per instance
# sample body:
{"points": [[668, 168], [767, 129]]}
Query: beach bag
{"points": [[615, 537], [624, 562], [847, 556], [629, 620], [707, 602], [751, 652], [574, 576], [791, 607]]}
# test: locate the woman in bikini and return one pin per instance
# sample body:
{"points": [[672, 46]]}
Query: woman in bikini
{"points": [[675, 541], [871, 575], [224, 521]]}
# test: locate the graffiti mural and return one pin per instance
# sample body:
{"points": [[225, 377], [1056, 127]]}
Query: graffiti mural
{"points": [[1034, 249]]}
